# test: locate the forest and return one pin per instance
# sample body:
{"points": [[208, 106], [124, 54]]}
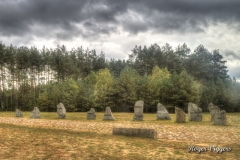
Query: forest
{"points": [[81, 79]]}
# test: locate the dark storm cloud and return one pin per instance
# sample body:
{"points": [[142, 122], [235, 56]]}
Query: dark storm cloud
{"points": [[17, 17], [231, 55], [67, 19], [187, 15]]}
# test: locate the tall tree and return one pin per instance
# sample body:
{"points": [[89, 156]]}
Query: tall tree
{"points": [[219, 68], [181, 89], [104, 82], [199, 64], [127, 88]]}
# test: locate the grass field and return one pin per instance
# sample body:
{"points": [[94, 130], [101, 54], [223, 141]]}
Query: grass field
{"points": [[78, 138]]}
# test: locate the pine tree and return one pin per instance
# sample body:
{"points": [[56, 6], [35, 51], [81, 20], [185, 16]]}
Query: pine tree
{"points": [[104, 82]]}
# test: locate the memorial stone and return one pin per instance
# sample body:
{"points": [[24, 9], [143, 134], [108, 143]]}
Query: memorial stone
{"points": [[180, 115], [61, 111], [194, 112], [213, 110], [18, 113], [35, 113], [138, 110], [108, 114], [162, 112], [220, 118], [91, 114]]}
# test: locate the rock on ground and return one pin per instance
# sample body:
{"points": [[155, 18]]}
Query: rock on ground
{"points": [[162, 112], [108, 114], [35, 113], [138, 111], [61, 111], [194, 112], [180, 115]]}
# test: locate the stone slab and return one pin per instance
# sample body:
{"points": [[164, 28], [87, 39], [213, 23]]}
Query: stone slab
{"points": [[136, 132]]}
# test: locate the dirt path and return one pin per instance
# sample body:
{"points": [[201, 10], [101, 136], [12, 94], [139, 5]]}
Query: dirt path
{"points": [[191, 133]]}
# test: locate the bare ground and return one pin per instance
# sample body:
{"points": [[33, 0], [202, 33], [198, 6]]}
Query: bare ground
{"points": [[78, 138], [192, 133]]}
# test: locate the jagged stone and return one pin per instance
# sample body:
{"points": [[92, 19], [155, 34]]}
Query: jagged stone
{"points": [[91, 114], [213, 110], [108, 114], [61, 111], [18, 113], [138, 110], [162, 112], [220, 118], [194, 112], [180, 115], [35, 113]]}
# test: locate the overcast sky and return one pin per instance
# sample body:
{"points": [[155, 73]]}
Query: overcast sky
{"points": [[115, 27]]}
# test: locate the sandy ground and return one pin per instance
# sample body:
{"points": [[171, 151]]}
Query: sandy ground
{"points": [[192, 133]]}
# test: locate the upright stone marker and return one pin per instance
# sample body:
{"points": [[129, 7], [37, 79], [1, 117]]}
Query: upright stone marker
{"points": [[180, 115], [162, 113], [138, 111], [213, 110], [35, 113], [18, 113], [91, 114], [220, 118], [194, 112], [61, 111], [108, 114]]}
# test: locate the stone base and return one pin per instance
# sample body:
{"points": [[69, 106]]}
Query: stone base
{"points": [[163, 116], [19, 115], [136, 132], [195, 117], [91, 116], [35, 116], [138, 118], [108, 117], [60, 116]]}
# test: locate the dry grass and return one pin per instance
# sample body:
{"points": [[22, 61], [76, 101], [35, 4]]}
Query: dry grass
{"points": [[25, 138]]}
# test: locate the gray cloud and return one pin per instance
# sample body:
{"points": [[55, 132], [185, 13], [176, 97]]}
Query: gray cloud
{"points": [[106, 16], [231, 55]]}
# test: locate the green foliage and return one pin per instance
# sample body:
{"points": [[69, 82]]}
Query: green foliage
{"points": [[48, 97], [149, 89], [104, 82], [68, 94], [180, 90], [208, 94], [127, 88], [81, 79]]}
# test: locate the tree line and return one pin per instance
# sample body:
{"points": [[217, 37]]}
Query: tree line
{"points": [[81, 79]]}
